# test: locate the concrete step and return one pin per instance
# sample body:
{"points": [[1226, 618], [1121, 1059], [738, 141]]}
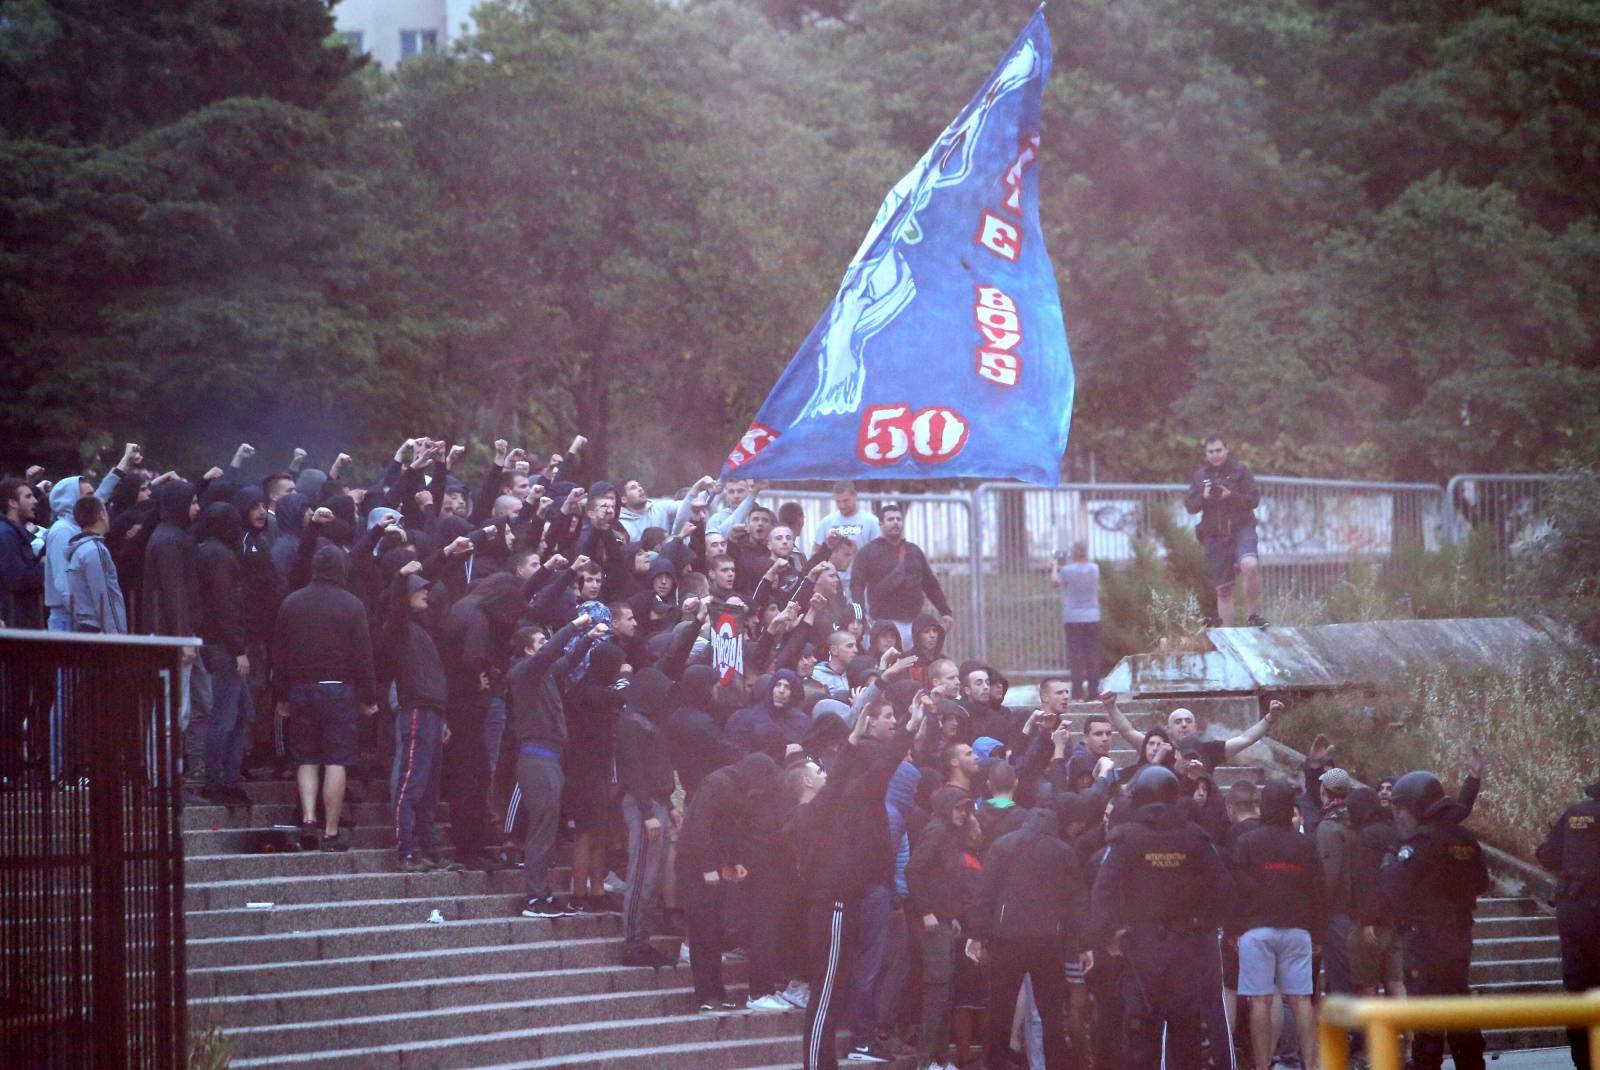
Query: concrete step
{"points": [[728, 1054], [393, 939], [713, 1043], [1509, 926], [347, 913], [234, 867], [1508, 907], [433, 993], [1543, 985], [413, 1027], [1490, 971], [598, 953], [203, 843], [324, 888], [1524, 1039], [206, 817], [1515, 947]]}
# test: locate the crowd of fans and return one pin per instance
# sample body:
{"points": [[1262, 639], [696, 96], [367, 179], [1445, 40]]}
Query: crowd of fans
{"points": [[773, 739]]}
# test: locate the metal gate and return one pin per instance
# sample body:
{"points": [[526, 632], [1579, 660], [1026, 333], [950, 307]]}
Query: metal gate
{"points": [[91, 852]]}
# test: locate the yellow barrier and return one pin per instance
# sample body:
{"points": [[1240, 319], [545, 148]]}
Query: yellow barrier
{"points": [[1385, 1019]]}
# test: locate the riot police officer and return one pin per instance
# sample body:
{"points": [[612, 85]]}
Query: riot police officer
{"points": [[1434, 881], [1159, 897], [1573, 850]]}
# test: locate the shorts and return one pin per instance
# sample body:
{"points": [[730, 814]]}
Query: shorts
{"points": [[1275, 960], [585, 800], [322, 726], [1375, 961], [1223, 553]]}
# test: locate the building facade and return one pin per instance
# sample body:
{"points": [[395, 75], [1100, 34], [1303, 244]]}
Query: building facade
{"points": [[393, 30]]}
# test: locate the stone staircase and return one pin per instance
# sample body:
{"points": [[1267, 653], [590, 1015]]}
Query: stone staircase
{"points": [[328, 960]]}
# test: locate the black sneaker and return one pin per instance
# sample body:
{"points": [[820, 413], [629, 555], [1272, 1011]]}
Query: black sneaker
{"points": [[415, 864], [1255, 620], [728, 1006], [216, 794], [310, 835], [441, 864], [544, 906], [486, 864], [867, 1053], [239, 796], [337, 842]]}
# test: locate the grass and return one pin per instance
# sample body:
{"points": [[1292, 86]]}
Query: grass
{"points": [[1536, 730]]}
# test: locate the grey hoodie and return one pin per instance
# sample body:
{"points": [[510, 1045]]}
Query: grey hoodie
{"points": [[94, 596], [62, 528]]}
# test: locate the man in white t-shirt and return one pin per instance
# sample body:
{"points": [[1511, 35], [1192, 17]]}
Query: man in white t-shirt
{"points": [[847, 518], [1079, 580]]}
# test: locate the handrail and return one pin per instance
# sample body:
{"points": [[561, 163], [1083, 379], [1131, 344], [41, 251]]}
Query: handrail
{"points": [[1384, 1020]]}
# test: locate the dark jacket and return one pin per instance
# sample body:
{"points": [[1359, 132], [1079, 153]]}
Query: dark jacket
{"points": [[412, 654], [21, 578], [791, 722], [891, 579], [171, 568], [534, 709], [1220, 518], [1436, 877], [1573, 848], [322, 634], [1376, 839], [1280, 876], [644, 761], [263, 585], [713, 826], [695, 741], [220, 577], [1161, 872], [842, 835], [938, 877], [476, 631], [1033, 887]]}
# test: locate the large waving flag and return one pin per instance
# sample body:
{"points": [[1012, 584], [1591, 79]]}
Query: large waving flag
{"points": [[944, 353]]}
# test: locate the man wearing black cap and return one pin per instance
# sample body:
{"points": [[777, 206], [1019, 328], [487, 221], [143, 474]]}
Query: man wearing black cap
{"points": [[1573, 850], [413, 658], [1160, 895], [1434, 882]]}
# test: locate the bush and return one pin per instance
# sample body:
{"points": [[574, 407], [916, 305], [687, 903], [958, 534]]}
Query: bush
{"points": [[1558, 564], [1536, 730], [1421, 584], [1161, 594]]}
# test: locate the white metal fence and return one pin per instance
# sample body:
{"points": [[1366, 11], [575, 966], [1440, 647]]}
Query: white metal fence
{"points": [[993, 547]]}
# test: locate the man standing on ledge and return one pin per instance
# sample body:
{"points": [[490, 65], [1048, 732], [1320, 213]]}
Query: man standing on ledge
{"points": [[1224, 493]]}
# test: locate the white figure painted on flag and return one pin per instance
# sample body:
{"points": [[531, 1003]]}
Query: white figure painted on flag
{"points": [[878, 287]]}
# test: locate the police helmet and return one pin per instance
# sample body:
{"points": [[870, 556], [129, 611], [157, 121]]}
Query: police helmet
{"points": [[1417, 792], [1153, 784]]}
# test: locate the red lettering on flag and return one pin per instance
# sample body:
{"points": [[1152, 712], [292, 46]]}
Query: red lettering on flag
{"points": [[757, 438], [1000, 236]]}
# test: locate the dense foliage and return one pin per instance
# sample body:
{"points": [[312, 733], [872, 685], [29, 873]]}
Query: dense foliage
{"points": [[1359, 236]]}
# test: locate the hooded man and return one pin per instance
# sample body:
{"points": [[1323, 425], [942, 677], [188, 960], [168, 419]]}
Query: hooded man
{"points": [[222, 626], [1285, 909], [321, 671], [943, 891], [697, 744], [777, 706], [1375, 945], [421, 695], [171, 570], [644, 771], [711, 850], [1572, 850]]}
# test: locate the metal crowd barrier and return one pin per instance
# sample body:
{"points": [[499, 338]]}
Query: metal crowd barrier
{"points": [[1384, 1020], [91, 852]]}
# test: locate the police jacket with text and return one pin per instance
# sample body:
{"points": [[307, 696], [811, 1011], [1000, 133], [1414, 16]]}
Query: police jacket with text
{"points": [[1221, 517], [1159, 871], [1032, 887], [1573, 848], [1436, 877]]}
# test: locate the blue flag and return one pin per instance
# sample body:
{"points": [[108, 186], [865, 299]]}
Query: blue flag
{"points": [[944, 353]]}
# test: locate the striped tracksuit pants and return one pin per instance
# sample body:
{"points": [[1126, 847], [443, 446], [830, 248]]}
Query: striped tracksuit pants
{"points": [[827, 948]]}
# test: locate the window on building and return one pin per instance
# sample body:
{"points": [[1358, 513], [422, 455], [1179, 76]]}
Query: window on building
{"points": [[354, 40], [416, 42]]}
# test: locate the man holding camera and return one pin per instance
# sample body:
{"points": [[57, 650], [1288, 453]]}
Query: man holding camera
{"points": [[1224, 493]]}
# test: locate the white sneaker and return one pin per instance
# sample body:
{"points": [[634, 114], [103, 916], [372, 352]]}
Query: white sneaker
{"points": [[683, 953], [615, 885], [798, 994], [770, 1002]]}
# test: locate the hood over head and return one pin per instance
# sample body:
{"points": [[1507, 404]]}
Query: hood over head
{"points": [[175, 498], [947, 799], [1277, 803], [605, 663], [63, 495], [309, 483], [648, 692], [381, 513], [500, 595], [246, 499], [757, 773], [125, 494], [923, 622], [859, 668], [827, 730], [1042, 823], [695, 687], [1365, 807], [663, 566], [220, 521], [900, 693], [796, 689], [328, 565], [826, 707], [291, 512]]}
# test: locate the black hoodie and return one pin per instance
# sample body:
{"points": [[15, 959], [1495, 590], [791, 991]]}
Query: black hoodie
{"points": [[533, 693], [1376, 838], [938, 878], [1033, 887], [322, 634], [842, 835], [171, 570], [220, 533], [1280, 876], [644, 762], [713, 833], [476, 631], [695, 740]]}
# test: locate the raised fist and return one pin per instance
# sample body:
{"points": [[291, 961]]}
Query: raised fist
{"points": [[323, 515]]}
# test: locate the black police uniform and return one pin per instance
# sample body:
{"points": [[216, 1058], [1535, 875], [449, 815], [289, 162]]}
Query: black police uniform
{"points": [[1573, 850], [1434, 881], [1163, 887]]}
